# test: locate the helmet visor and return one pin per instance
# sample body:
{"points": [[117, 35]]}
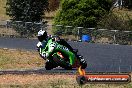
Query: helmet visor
{"points": [[40, 38]]}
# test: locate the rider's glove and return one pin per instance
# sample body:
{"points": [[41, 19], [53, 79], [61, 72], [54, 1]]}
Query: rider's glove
{"points": [[44, 54]]}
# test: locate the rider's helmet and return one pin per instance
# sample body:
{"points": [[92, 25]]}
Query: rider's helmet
{"points": [[42, 35]]}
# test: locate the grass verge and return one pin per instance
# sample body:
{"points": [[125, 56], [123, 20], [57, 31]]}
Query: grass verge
{"points": [[19, 59], [50, 81]]}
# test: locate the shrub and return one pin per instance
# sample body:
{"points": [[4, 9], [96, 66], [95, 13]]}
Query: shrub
{"points": [[26, 10], [84, 13], [114, 22]]}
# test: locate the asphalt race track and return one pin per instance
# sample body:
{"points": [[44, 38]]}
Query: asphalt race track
{"points": [[100, 57]]}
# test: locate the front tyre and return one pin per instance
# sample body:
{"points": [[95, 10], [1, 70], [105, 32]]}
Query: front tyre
{"points": [[49, 65]]}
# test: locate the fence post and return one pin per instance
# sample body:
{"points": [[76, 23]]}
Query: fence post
{"points": [[128, 38], [79, 31], [8, 23], [68, 30], [90, 32], [114, 36]]}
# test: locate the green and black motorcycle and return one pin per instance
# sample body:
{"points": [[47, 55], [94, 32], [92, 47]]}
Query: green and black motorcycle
{"points": [[58, 55]]}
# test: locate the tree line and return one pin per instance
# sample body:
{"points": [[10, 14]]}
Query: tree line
{"points": [[84, 13]]}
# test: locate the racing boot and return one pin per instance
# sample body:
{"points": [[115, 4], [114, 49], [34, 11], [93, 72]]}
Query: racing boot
{"points": [[83, 63]]}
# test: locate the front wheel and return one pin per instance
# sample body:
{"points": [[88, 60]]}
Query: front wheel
{"points": [[49, 65]]}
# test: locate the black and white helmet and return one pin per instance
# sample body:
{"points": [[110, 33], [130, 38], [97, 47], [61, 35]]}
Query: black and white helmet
{"points": [[42, 35]]}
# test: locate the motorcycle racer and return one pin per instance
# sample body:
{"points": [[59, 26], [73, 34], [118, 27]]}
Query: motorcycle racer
{"points": [[47, 45], [43, 38]]}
